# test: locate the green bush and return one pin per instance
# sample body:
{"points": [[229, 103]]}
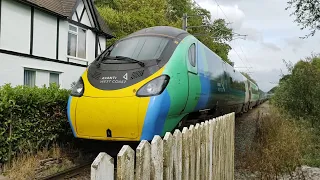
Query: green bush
{"points": [[298, 93], [37, 117]]}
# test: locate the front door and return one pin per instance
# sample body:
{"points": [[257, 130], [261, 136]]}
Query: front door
{"points": [[194, 81]]}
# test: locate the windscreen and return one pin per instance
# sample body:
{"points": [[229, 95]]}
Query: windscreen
{"points": [[140, 48]]}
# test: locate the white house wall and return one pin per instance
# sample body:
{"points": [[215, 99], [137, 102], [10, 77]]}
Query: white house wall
{"points": [[85, 19], [14, 65], [63, 39], [45, 35], [91, 46], [15, 26], [102, 41]]}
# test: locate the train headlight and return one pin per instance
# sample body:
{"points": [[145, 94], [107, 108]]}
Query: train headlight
{"points": [[78, 89], [154, 87]]}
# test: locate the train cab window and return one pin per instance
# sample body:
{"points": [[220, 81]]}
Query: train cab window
{"points": [[192, 55], [141, 47]]}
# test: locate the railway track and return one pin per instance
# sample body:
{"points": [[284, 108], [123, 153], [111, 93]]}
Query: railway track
{"points": [[68, 173]]}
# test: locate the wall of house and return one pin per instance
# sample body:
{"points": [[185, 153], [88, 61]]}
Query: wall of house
{"points": [[12, 71], [47, 41]]}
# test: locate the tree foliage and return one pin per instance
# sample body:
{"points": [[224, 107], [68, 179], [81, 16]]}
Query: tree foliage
{"points": [[298, 92], [307, 14], [127, 16]]}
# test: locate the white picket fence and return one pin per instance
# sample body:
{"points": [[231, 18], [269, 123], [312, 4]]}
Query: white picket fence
{"points": [[204, 151]]}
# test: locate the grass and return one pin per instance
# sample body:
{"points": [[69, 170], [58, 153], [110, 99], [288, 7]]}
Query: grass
{"points": [[281, 145], [32, 166]]}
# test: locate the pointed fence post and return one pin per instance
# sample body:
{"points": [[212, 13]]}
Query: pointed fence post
{"points": [[125, 163], [143, 161], [192, 153], [102, 167], [168, 156], [197, 149], [202, 151], [177, 155], [157, 158], [211, 122], [185, 153]]}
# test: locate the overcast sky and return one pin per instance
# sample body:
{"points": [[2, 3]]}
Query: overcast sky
{"points": [[272, 36]]}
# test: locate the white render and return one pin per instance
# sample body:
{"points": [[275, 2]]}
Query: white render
{"points": [[12, 71], [15, 41], [15, 26]]}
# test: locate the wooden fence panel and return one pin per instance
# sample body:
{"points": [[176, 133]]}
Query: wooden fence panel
{"points": [[156, 158], [168, 156], [125, 163], [102, 167], [192, 153], [210, 148], [198, 153], [143, 161], [204, 151], [177, 155], [185, 153]]}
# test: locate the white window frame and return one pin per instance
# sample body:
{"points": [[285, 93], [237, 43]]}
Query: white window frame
{"points": [[77, 34]]}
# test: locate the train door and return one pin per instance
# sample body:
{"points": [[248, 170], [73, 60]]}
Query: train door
{"points": [[193, 78]]}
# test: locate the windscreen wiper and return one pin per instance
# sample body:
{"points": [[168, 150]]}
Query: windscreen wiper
{"points": [[128, 59]]}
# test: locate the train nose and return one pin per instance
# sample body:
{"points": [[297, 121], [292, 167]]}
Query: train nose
{"points": [[109, 118]]}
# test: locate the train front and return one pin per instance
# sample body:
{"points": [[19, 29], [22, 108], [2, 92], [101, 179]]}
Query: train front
{"points": [[112, 99]]}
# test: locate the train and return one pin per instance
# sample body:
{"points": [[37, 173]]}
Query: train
{"points": [[152, 80]]}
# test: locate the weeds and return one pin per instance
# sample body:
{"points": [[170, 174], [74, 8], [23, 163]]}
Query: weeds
{"points": [[281, 145], [43, 163]]}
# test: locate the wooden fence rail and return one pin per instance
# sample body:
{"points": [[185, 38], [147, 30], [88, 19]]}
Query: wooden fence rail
{"points": [[204, 151]]}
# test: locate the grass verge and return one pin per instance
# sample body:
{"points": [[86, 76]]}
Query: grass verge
{"points": [[43, 163], [281, 145]]}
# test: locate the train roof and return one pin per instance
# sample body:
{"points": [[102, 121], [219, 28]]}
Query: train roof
{"points": [[164, 30]]}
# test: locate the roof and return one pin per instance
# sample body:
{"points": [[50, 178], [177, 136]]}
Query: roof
{"points": [[165, 30], [65, 8]]}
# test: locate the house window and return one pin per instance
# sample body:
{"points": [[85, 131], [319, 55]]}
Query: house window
{"points": [[29, 78], [77, 42], [54, 78]]}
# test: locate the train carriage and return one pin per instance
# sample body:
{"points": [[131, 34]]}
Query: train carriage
{"points": [[148, 82]]}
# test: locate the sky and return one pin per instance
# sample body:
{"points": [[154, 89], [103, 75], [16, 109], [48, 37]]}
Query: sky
{"points": [[271, 37]]}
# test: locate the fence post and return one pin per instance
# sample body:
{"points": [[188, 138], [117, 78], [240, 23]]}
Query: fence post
{"points": [[206, 125], [177, 155], [210, 147], [156, 158], [192, 152], [102, 167], [185, 153], [202, 151], [125, 164], [168, 156], [143, 159], [197, 150]]}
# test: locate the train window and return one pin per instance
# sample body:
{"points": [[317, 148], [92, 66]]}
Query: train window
{"points": [[192, 55], [141, 47]]}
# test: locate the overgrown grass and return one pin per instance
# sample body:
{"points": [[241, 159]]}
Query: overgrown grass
{"points": [[43, 163], [281, 145]]}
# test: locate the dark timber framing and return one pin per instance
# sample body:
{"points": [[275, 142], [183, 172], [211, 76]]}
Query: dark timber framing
{"points": [[83, 10], [40, 58], [96, 46], [57, 42], [31, 30]]}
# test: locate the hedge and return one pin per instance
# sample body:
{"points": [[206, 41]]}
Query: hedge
{"points": [[37, 117]]}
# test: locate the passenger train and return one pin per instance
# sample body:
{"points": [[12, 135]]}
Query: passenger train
{"points": [[147, 83]]}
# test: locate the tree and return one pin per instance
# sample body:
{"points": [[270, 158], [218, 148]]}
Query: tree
{"points": [[307, 14], [298, 92], [127, 16]]}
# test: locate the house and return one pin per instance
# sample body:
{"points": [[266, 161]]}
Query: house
{"points": [[49, 41]]}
